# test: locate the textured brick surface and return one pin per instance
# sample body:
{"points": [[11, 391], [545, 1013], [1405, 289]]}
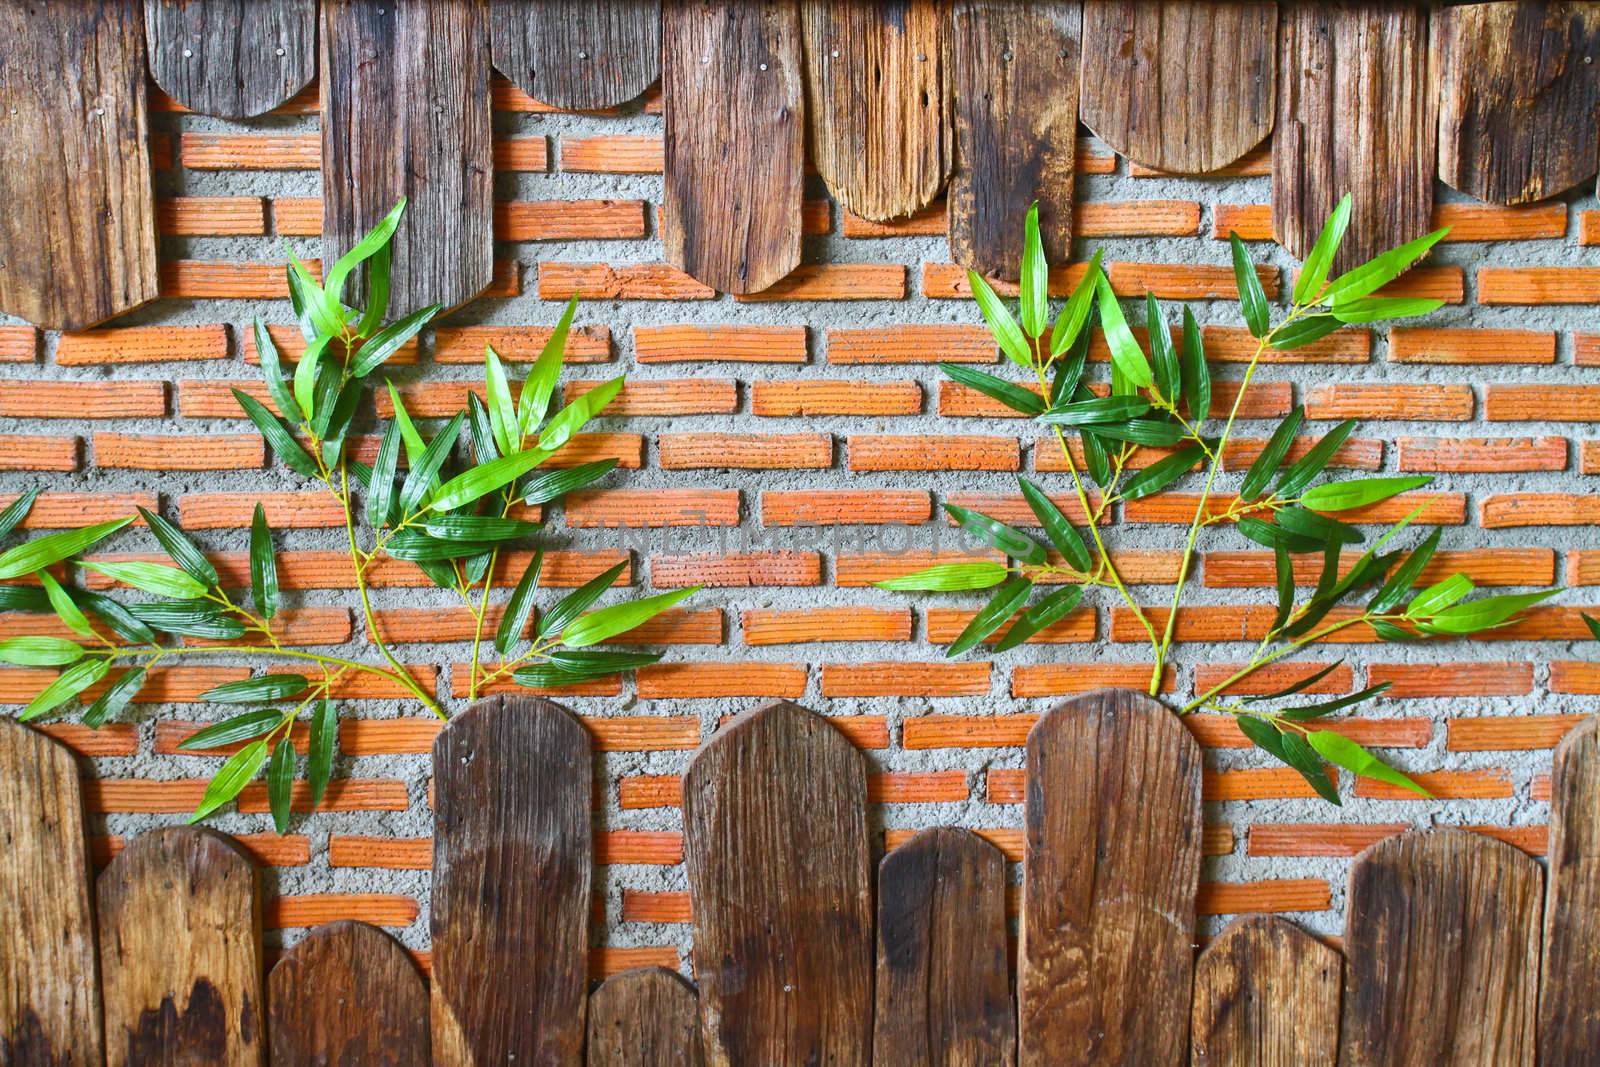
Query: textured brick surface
{"points": [[790, 449]]}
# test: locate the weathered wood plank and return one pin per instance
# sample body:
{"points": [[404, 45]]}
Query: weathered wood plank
{"points": [[405, 112], [348, 993], [1266, 994], [78, 235], [944, 976], [1569, 1010], [233, 58], [735, 148], [1519, 97], [180, 949], [1357, 113], [1111, 868], [1442, 932], [49, 978], [577, 53], [1014, 71], [647, 1017], [775, 837], [1180, 86], [875, 101], [512, 856]]}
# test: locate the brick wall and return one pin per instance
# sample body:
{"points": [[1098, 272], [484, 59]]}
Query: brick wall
{"points": [[787, 450]]}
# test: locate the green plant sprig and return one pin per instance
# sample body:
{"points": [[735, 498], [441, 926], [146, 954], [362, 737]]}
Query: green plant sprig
{"points": [[1160, 398], [450, 518]]}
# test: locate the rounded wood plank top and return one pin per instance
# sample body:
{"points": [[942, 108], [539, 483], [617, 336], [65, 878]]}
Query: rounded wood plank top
{"points": [[1266, 994], [646, 1017], [1569, 1010], [231, 58], [348, 993]]}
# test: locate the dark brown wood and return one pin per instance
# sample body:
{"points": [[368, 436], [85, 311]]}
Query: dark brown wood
{"points": [[1111, 869], [512, 856], [77, 236], [348, 993], [1014, 71], [180, 953], [233, 58], [1266, 994], [1519, 97], [1442, 932], [578, 53], [876, 102], [49, 978], [405, 112], [647, 1017], [775, 837], [1569, 1010], [944, 975], [1177, 85], [735, 148], [1356, 113]]}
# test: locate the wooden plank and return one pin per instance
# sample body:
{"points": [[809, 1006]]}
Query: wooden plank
{"points": [[1110, 872], [775, 837], [577, 53], [512, 855], [944, 974], [49, 977], [1442, 932], [646, 1017], [1266, 994], [405, 112], [875, 101], [78, 236], [348, 993], [1569, 1011], [735, 151], [1014, 71], [1181, 86], [1519, 97], [1357, 114], [180, 944], [233, 58]]}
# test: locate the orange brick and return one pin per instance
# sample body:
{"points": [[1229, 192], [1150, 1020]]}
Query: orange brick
{"points": [[1346, 840], [568, 220], [112, 739], [902, 679], [83, 400], [1268, 895], [1540, 403], [212, 216], [911, 344], [945, 625], [1452, 680], [1583, 568], [744, 679], [737, 571], [239, 151], [34, 453], [835, 281], [1581, 678], [933, 453], [1488, 455], [521, 154], [1256, 783], [218, 511], [1355, 454], [613, 154], [1233, 344], [730, 451], [1436, 403], [297, 216], [1273, 677], [732, 344], [1509, 566], [196, 279], [1447, 509], [269, 850], [1222, 731], [1539, 285], [966, 731], [1540, 509], [786, 399], [629, 281], [1013, 508], [636, 508], [178, 452], [857, 623], [929, 222], [1467, 222], [314, 909], [664, 396], [1471, 346], [1061, 679], [18, 344], [60, 511], [1494, 733], [1487, 784], [844, 507], [1167, 281]]}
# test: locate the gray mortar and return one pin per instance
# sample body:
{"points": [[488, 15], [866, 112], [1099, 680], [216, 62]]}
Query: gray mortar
{"points": [[818, 317]]}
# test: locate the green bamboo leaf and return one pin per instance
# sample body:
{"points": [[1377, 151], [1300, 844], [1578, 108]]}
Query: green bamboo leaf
{"points": [[1262, 734], [1272, 455], [184, 552], [1299, 686], [1340, 751], [67, 685], [1284, 572], [1439, 596], [481, 528], [62, 604], [17, 510], [1300, 756], [1162, 473], [578, 601], [485, 478], [570, 419], [1095, 458], [1068, 374], [948, 577], [1593, 624], [1163, 359], [1072, 324], [1379, 271], [415, 445], [264, 688], [378, 268], [996, 534], [1316, 526], [377, 239], [121, 621], [1252, 301], [1007, 334], [311, 303], [1035, 277], [280, 784], [1049, 610], [1306, 712], [272, 370], [36, 555], [597, 663], [117, 696], [23, 598], [1096, 411], [1012, 395], [1381, 308], [241, 727], [189, 618], [1405, 575], [307, 375], [263, 566], [1127, 358], [231, 779], [553, 484], [380, 348], [1194, 372], [414, 546], [283, 444], [324, 739], [40, 651], [1153, 432], [155, 578], [1484, 614], [480, 431], [1062, 534], [1343, 496], [1005, 602], [1302, 332], [519, 609], [1315, 271], [540, 384], [616, 619], [380, 492], [1273, 536], [414, 490], [1317, 457]]}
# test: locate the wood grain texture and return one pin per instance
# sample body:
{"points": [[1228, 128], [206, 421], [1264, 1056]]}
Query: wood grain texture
{"points": [[405, 112], [512, 858], [876, 102], [232, 58], [1266, 994], [1180, 86], [49, 978], [1519, 97], [775, 838], [577, 53], [1014, 71], [78, 236], [1111, 869], [1442, 933], [944, 975], [180, 953], [348, 993], [1569, 1011], [647, 1017], [1356, 113]]}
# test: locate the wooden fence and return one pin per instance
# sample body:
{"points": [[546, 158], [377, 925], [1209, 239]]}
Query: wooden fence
{"points": [[1457, 949]]}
